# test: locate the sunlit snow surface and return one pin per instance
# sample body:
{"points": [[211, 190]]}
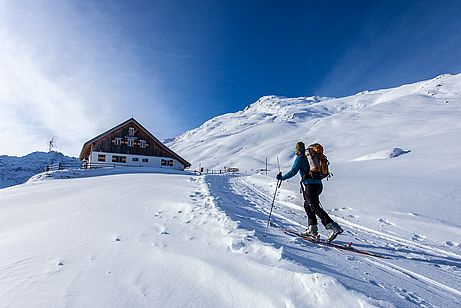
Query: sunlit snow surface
{"points": [[143, 240], [150, 239]]}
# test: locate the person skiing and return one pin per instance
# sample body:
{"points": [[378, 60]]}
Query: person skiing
{"points": [[311, 189]]}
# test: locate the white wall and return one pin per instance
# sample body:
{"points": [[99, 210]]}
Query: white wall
{"points": [[153, 161]]}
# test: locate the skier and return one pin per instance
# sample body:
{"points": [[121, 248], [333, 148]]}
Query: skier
{"points": [[311, 189]]}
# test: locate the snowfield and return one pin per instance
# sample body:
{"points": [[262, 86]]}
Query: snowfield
{"points": [[145, 238]]}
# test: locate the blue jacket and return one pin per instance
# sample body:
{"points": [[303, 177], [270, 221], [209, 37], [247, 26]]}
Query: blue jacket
{"points": [[302, 165]]}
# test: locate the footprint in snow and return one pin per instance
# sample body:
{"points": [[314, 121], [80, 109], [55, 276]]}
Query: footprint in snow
{"points": [[417, 237], [195, 194], [341, 209], [157, 215], [161, 230], [237, 246], [159, 245], [384, 221], [411, 297], [356, 217], [452, 244]]}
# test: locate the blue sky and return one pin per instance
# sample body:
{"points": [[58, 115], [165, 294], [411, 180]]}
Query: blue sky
{"points": [[72, 69]]}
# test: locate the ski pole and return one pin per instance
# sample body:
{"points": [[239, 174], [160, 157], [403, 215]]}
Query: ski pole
{"points": [[279, 183], [272, 206]]}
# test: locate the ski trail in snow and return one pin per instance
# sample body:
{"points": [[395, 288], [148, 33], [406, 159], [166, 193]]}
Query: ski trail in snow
{"points": [[396, 239], [385, 236], [399, 269], [420, 278]]}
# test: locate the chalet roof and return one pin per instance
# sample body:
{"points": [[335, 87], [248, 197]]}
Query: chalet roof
{"points": [[87, 145]]}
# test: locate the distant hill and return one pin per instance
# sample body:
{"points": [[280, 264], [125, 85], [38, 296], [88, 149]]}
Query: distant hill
{"points": [[16, 170]]}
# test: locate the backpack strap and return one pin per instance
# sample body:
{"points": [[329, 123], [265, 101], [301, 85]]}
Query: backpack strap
{"points": [[307, 173]]}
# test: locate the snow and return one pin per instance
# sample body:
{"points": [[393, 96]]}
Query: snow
{"points": [[146, 238], [143, 240], [385, 154], [16, 170]]}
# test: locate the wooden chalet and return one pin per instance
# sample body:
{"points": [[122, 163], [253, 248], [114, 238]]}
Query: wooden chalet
{"points": [[130, 144]]}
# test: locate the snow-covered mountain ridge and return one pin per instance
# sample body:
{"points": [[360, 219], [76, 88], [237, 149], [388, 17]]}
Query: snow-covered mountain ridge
{"points": [[349, 127], [16, 170]]}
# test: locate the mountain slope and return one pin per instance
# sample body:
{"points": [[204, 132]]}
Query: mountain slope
{"points": [[16, 170], [392, 151], [411, 116]]}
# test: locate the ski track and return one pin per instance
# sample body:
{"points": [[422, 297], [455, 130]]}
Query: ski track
{"points": [[402, 281]]}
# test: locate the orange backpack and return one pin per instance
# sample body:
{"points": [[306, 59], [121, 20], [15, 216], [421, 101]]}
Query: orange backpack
{"points": [[318, 162]]}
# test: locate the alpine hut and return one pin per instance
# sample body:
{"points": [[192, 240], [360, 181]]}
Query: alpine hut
{"points": [[130, 144]]}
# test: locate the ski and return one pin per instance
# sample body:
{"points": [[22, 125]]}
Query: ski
{"points": [[345, 247]]}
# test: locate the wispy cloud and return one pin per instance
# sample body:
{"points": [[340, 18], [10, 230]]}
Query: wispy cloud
{"points": [[65, 72]]}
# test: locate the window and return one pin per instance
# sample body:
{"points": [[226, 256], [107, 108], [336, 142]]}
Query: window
{"points": [[130, 131], [142, 143], [101, 157], [165, 162], [145, 160], [135, 159], [118, 159], [118, 141], [130, 142]]}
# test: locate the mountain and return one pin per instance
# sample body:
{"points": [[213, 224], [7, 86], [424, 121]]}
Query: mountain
{"points": [[392, 151], [416, 117], [147, 239], [16, 170]]}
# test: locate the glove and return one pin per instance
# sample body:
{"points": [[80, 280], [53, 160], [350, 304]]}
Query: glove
{"points": [[279, 176]]}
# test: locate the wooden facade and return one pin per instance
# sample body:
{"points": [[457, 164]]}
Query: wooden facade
{"points": [[129, 138]]}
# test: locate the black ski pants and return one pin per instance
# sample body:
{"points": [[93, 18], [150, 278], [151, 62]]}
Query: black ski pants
{"points": [[311, 193]]}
